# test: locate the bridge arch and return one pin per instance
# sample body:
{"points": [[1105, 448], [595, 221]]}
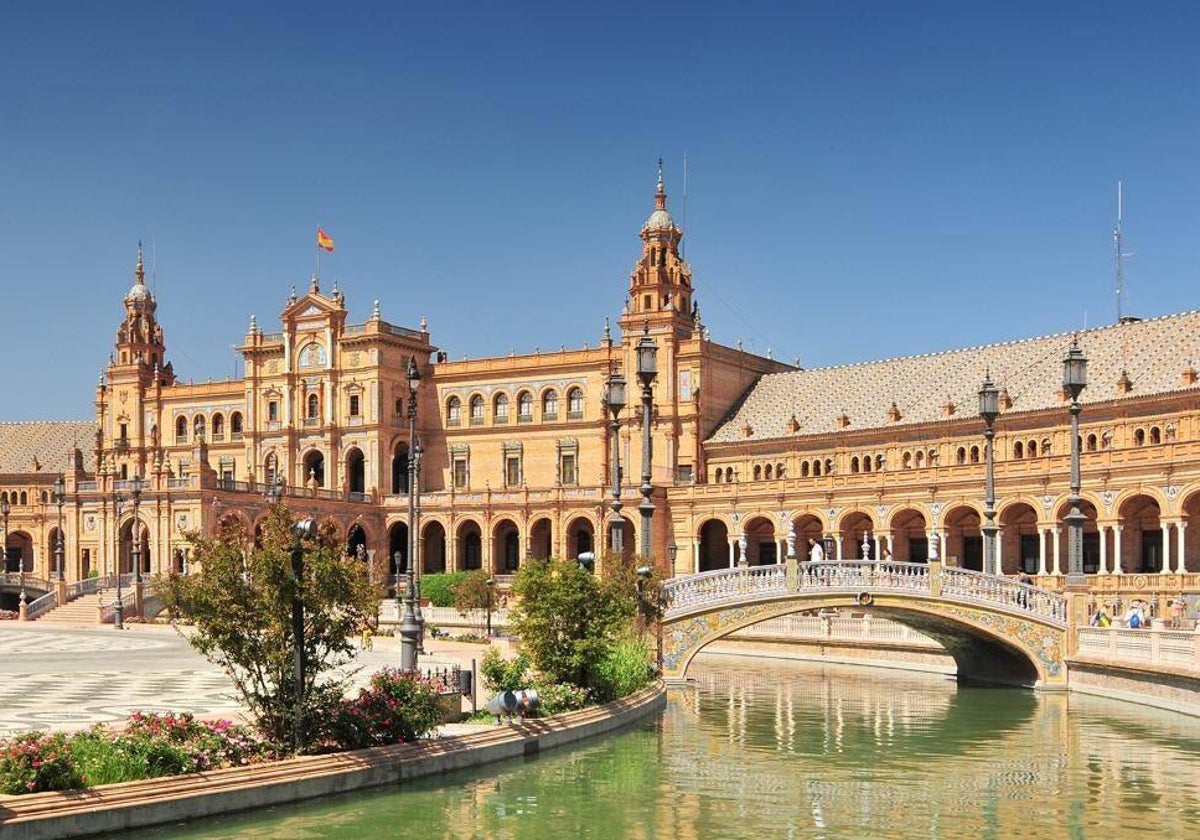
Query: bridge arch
{"points": [[762, 548], [855, 526], [909, 528], [714, 545], [997, 630]]}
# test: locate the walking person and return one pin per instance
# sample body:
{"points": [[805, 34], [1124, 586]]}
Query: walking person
{"points": [[816, 552]]}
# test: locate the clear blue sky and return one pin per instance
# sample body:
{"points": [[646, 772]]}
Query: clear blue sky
{"points": [[865, 180]]}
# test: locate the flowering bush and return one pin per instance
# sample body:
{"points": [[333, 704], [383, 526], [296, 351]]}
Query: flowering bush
{"points": [[395, 707], [557, 698], [151, 746], [9, 615], [35, 762]]}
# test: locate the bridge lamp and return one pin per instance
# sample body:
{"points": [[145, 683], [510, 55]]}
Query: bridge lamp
{"points": [[647, 372], [1074, 381], [60, 498], [614, 398], [989, 410]]}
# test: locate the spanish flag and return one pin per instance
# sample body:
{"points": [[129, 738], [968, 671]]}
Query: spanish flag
{"points": [[324, 240]]}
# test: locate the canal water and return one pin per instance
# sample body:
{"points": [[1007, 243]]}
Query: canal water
{"points": [[793, 750]]}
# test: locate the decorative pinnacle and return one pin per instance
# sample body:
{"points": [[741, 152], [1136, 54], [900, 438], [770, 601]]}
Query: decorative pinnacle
{"points": [[607, 329], [140, 271], [660, 194], [253, 325], [375, 311]]}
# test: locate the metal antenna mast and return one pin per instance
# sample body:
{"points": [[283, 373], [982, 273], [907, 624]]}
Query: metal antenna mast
{"points": [[683, 245], [1117, 243]]}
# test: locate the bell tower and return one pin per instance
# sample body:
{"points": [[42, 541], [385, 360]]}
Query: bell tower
{"points": [[139, 338], [660, 287]]}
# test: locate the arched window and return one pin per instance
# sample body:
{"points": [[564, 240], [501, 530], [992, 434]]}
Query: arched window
{"points": [[181, 430], [453, 411], [1139, 437], [816, 468], [960, 456], [218, 427], [550, 405], [1155, 435], [767, 472], [476, 410], [575, 404], [500, 409], [906, 460], [878, 463], [45, 498], [1018, 450], [974, 454], [1091, 443], [235, 425], [757, 472], [779, 471], [854, 465], [271, 468], [866, 463], [24, 498], [717, 475], [828, 466], [313, 405], [1031, 450], [524, 407], [198, 427], [920, 459], [804, 469], [1045, 447]]}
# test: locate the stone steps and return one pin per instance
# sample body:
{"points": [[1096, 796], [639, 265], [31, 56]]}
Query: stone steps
{"points": [[83, 610]]}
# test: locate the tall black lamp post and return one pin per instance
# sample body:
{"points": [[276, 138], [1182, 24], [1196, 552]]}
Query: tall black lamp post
{"points": [[647, 372], [135, 490], [304, 528], [410, 628], [614, 398], [119, 607], [60, 498], [5, 509], [1074, 381], [989, 410], [491, 584]]}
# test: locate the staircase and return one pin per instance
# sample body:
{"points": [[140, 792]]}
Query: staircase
{"points": [[83, 610]]}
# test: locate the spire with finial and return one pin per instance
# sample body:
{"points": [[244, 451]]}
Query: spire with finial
{"points": [[140, 271], [292, 297], [316, 285], [253, 325], [607, 329], [375, 315], [660, 194]]}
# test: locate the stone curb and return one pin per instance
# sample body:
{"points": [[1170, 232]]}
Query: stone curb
{"points": [[121, 807]]}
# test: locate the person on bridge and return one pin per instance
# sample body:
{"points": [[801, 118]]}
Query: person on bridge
{"points": [[816, 553]]}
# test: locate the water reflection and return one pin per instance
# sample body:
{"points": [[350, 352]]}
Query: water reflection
{"points": [[807, 751]]}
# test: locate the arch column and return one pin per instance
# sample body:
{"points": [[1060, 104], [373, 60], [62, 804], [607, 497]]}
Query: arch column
{"points": [[696, 557], [1042, 569], [1117, 550], [732, 545], [837, 546], [1180, 564], [1166, 548], [1057, 552], [1103, 529]]}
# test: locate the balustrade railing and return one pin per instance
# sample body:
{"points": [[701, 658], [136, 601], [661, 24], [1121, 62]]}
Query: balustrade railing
{"points": [[30, 581], [41, 605], [1153, 647], [685, 594], [969, 585], [89, 585], [836, 627]]}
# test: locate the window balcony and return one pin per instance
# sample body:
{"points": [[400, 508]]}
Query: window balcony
{"points": [[312, 422], [550, 416], [574, 415], [524, 418]]}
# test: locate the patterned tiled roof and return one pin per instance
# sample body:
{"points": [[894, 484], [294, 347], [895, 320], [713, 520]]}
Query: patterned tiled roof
{"points": [[1154, 352], [45, 445]]}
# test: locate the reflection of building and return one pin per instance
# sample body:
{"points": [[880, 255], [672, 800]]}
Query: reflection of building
{"points": [[516, 449]]}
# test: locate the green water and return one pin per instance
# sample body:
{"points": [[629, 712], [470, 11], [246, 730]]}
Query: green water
{"points": [[804, 751]]}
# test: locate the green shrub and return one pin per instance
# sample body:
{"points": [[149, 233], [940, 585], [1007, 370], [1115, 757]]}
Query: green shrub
{"points": [[36, 762], [500, 674], [395, 708], [624, 667], [556, 698], [439, 589]]}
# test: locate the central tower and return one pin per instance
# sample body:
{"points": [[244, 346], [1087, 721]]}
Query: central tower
{"points": [[660, 287]]}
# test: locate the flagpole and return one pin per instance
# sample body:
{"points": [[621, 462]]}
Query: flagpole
{"points": [[318, 274]]}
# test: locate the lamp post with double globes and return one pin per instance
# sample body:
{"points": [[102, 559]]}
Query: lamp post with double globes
{"points": [[410, 629], [119, 606], [614, 398], [1074, 381], [60, 498], [989, 410], [647, 372], [135, 490], [5, 509]]}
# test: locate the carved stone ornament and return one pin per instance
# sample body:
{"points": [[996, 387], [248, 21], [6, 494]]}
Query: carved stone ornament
{"points": [[1107, 497], [1171, 491]]}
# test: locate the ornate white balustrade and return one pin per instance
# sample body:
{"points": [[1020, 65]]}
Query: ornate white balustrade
{"points": [[725, 587], [1167, 650]]}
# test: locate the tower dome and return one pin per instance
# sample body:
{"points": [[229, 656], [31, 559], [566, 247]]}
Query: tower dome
{"points": [[138, 291], [660, 220]]}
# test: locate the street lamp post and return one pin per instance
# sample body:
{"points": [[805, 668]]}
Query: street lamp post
{"points": [[119, 607], [614, 398], [135, 490], [4, 511], [989, 410], [60, 498], [1074, 381], [410, 628], [304, 528], [490, 585], [647, 372]]}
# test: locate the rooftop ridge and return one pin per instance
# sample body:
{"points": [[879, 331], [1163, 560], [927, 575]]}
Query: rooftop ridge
{"points": [[1010, 343]]}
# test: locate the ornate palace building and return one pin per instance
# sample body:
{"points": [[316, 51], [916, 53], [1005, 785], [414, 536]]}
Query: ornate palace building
{"points": [[516, 452]]}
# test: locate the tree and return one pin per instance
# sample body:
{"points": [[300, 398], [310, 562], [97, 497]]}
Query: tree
{"points": [[566, 617], [473, 595], [241, 605]]}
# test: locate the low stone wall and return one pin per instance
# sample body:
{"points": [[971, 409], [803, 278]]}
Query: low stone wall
{"points": [[1176, 692], [840, 652], [121, 807]]}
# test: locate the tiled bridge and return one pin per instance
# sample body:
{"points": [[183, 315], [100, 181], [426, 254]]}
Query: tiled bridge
{"points": [[996, 629]]}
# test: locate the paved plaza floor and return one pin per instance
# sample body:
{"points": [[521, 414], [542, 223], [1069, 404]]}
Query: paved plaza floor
{"points": [[55, 677]]}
